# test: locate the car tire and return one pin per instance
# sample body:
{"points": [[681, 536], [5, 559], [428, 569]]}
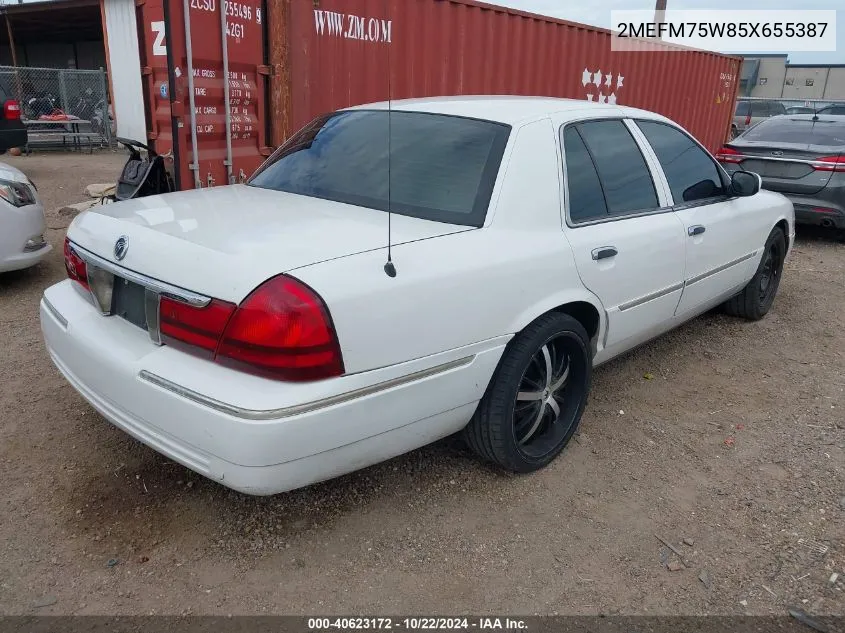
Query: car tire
{"points": [[756, 299], [734, 132], [528, 415]]}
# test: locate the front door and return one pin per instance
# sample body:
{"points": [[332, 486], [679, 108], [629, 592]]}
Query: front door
{"points": [[720, 251]]}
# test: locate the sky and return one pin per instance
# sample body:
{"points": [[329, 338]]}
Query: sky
{"points": [[598, 14]]}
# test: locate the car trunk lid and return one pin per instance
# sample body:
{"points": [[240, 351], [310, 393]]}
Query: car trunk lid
{"points": [[785, 167], [225, 242]]}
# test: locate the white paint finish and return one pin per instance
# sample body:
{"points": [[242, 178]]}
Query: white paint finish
{"points": [[650, 261], [459, 292], [102, 358], [245, 234], [731, 233], [124, 63], [18, 225]]}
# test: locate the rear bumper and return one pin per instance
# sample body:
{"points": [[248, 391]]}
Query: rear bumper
{"points": [[818, 211], [248, 433]]}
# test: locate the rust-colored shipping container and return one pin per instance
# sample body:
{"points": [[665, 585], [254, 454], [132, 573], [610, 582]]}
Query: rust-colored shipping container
{"points": [[290, 60]]}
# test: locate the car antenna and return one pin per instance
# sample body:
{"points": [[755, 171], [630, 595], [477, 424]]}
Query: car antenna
{"points": [[389, 268]]}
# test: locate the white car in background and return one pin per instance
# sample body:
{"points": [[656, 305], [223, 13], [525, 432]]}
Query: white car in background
{"points": [[22, 242], [264, 336]]}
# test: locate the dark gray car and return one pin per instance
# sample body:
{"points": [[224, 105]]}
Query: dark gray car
{"points": [[801, 156]]}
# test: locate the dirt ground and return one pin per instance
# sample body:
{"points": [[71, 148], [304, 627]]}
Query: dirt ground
{"points": [[724, 435]]}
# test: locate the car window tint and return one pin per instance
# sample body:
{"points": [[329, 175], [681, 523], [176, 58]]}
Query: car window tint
{"points": [[691, 173], [777, 108], [625, 179], [429, 166], [742, 108], [586, 200], [802, 131]]}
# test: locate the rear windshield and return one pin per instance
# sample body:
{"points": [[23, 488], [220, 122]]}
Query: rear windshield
{"points": [[803, 131], [742, 108], [428, 166]]}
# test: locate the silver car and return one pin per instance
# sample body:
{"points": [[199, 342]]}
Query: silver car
{"points": [[750, 112]]}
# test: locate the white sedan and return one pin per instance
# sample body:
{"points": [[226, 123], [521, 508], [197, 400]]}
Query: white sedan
{"points": [[397, 273], [22, 242]]}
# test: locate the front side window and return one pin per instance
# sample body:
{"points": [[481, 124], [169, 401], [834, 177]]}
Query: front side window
{"points": [[691, 173], [428, 166]]}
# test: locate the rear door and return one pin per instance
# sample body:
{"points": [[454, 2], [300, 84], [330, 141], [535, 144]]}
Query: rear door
{"points": [[628, 245], [721, 238]]}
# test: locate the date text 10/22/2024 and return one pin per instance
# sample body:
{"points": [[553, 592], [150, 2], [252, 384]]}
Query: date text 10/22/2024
{"points": [[417, 624]]}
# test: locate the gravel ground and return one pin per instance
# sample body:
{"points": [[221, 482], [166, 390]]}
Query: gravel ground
{"points": [[724, 438]]}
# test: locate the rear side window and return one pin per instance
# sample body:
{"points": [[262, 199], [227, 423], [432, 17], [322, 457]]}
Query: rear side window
{"points": [[625, 180], [759, 108], [691, 173], [776, 108], [429, 166], [586, 200], [833, 110], [802, 131]]}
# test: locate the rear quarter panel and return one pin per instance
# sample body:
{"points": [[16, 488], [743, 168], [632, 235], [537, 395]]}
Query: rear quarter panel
{"points": [[464, 288]]}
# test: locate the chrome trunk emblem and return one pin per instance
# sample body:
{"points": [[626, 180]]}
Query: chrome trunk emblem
{"points": [[121, 247], [777, 153]]}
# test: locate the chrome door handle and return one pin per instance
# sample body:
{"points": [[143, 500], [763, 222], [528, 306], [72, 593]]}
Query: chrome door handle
{"points": [[604, 252], [695, 230]]}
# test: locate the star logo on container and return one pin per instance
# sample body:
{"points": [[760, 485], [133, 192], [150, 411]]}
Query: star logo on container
{"points": [[605, 84]]}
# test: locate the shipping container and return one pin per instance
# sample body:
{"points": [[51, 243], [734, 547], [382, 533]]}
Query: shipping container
{"points": [[288, 61]]}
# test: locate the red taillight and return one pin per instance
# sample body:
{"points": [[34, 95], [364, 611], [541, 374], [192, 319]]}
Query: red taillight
{"points": [[75, 266], [11, 109], [830, 163], [282, 330], [184, 324], [748, 119], [729, 155]]}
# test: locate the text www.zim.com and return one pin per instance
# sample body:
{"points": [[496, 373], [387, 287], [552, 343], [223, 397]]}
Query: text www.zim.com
{"points": [[352, 27]]}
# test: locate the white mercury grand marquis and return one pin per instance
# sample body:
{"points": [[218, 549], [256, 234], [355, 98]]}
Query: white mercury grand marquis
{"points": [[265, 336]]}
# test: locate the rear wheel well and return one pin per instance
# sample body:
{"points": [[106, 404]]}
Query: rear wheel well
{"points": [[583, 312], [783, 225]]}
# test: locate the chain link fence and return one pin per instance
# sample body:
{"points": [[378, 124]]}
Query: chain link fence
{"points": [[60, 106]]}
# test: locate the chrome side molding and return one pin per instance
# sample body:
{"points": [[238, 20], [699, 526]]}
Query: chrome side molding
{"points": [[52, 310], [300, 409]]}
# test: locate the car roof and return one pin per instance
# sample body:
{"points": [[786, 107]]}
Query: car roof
{"points": [[505, 109], [830, 118]]}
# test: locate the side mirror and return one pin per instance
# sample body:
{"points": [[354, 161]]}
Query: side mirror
{"points": [[745, 183]]}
